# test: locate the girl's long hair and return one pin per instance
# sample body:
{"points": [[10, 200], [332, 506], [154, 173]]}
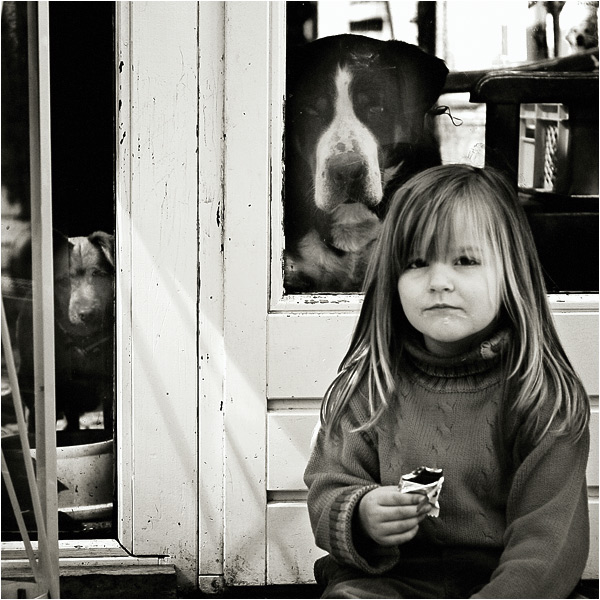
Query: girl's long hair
{"points": [[425, 216]]}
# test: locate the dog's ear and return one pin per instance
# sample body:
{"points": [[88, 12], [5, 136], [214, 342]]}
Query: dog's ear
{"points": [[426, 73], [106, 243], [59, 239], [61, 247]]}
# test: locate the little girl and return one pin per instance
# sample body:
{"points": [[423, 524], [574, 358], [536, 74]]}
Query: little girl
{"points": [[454, 364]]}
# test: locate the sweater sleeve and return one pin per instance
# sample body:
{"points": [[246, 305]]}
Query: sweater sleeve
{"points": [[546, 541], [339, 473]]}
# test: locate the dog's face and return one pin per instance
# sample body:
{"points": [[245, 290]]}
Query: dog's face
{"points": [[84, 283], [355, 117], [354, 106]]}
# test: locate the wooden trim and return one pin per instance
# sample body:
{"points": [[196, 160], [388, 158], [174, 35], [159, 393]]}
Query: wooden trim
{"points": [[124, 271], [157, 294], [246, 247], [211, 343], [43, 287]]}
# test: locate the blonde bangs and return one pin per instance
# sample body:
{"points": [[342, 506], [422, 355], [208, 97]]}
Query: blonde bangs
{"points": [[463, 218]]}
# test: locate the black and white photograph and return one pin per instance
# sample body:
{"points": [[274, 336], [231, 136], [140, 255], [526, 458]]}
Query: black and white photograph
{"points": [[300, 299]]}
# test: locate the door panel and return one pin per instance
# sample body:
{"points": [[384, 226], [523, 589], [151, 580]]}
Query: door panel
{"points": [[291, 551], [305, 351], [288, 448], [579, 334], [281, 352]]}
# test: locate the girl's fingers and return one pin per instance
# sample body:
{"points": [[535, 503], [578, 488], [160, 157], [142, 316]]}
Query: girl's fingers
{"points": [[400, 538], [389, 530], [397, 513], [385, 528], [386, 514], [392, 496]]}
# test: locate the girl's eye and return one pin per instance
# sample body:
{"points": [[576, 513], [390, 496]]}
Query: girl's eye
{"points": [[467, 261], [418, 263]]}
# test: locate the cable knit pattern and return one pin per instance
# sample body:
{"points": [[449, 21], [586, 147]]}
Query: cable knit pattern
{"points": [[533, 509]]}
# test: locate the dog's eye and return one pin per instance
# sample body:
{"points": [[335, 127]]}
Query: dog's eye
{"points": [[99, 273], [316, 107], [310, 111], [371, 102]]}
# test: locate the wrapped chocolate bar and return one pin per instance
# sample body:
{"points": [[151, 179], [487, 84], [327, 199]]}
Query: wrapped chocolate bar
{"points": [[426, 481]]}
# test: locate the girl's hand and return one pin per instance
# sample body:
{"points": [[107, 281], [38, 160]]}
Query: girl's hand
{"points": [[390, 517]]}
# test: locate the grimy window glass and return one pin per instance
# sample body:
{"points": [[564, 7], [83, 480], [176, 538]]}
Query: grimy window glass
{"points": [[362, 114], [82, 73]]}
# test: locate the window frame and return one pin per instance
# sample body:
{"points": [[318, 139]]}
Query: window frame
{"points": [[157, 479]]}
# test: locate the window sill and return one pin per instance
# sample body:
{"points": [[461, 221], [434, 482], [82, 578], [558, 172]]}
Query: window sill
{"points": [[78, 557]]}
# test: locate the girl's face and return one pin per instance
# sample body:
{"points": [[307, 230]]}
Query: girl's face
{"points": [[452, 300]]}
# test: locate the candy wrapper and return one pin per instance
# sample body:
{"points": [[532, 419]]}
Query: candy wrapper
{"points": [[424, 481]]}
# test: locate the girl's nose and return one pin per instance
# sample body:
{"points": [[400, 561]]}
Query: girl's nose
{"points": [[440, 278]]}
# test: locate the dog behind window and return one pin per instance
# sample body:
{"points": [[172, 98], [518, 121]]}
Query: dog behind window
{"points": [[83, 330], [356, 127]]}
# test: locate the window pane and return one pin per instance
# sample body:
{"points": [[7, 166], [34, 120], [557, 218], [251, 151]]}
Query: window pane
{"points": [[82, 136], [347, 147]]}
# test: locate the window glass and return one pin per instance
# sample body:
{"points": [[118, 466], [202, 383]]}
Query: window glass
{"points": [[82, 141], [351, 140]]}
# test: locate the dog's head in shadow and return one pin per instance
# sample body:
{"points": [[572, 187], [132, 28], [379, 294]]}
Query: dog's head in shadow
{"points": [[84, 277], [84, 271], [356, 127]]}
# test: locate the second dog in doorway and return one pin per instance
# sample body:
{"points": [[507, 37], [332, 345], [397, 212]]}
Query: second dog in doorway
{"points": [[84, 322]]}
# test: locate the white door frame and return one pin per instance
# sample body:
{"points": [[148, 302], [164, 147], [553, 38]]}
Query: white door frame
{"points": [[281, 352], [157, 284]]}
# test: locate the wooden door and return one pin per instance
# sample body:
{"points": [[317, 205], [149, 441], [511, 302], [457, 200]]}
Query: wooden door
{"points": [[281, 352]]}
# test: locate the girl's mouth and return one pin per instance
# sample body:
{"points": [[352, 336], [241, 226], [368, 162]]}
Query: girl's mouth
{"points": [[442, 307]]}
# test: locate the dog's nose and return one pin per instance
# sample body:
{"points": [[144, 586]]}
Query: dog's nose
{"points": [[85, 315], [347, 167]]}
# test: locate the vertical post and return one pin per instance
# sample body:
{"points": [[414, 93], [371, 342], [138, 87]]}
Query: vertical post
{"points": [[43, 282], [427, 26], [502, 137], [211, 366], [124, 272]]}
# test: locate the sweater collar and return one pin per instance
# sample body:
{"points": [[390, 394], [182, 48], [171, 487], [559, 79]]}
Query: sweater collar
{"points": [[477, 360]]}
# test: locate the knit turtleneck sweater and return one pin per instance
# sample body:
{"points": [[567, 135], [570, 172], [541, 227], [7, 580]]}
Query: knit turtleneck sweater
{"points": [[501, 492]]}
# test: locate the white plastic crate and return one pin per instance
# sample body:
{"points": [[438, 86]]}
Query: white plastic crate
{"points": [[543, 147]]}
